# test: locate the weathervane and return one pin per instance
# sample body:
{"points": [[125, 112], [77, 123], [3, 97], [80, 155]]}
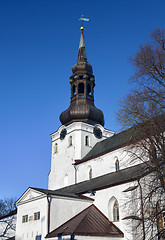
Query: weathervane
{"points": [[83, 19]]}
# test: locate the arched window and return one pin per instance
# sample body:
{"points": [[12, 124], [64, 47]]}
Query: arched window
{"points": [[70, 141], [81, 88], [116, 211], [90, 173], [113, 209], [86, 140], [55, 148], [117, 165], [66, 180]]}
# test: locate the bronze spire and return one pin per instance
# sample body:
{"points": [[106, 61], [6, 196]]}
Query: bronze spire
{"points": [[82, 81], [82, 57]]}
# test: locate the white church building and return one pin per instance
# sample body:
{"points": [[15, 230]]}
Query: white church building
{"points": [[90, 178]]}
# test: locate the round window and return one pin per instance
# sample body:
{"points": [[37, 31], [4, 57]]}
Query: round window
{"points": [[63, 134], [97, 132]]}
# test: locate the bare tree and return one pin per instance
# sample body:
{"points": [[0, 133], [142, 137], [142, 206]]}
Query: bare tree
{"points": [[7, 218], [8, 226], [6, 206], [143, 109]]}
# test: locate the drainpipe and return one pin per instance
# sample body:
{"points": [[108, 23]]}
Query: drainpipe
{"points": [[72, 237], [59, 236], [48, 213]]}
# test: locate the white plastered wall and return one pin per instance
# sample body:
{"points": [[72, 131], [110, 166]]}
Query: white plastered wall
{"points": [[62, 209], [63, 159], [33, 228], [102, 198], [105, 164]]}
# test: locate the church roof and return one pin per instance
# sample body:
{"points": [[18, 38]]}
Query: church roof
{"points": [[89, 222], [110, 144], [127, 137], [105, 181], [61, 193], [109, 180]]}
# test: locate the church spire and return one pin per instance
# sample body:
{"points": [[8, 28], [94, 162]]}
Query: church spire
{"points": [[82, 57], [82, 84]]}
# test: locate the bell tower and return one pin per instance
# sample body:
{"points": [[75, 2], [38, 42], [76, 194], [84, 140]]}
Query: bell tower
{"points": [[82, 83], [82, 125]]}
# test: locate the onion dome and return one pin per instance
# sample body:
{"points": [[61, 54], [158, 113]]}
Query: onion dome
{"points": [[82, 82]]}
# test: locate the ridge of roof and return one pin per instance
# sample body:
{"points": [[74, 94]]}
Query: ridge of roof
{"points": [[102, 182], [61, 193], [89, 222], [111, 179]]}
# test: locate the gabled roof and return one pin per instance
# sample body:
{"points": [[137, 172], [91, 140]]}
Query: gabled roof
{"points": [[61, 193], [89, 222], [110, 180], [45, 192], [105, 181]]}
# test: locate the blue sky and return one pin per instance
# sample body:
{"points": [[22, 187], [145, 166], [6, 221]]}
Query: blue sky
{"points": [[38, 46]]}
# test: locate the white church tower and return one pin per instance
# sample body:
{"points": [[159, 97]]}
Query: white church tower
{"points": [[82, 125]]}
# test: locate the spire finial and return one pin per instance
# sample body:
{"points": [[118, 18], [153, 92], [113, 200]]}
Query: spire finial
{"points": [[82, 57], [82, 28]]}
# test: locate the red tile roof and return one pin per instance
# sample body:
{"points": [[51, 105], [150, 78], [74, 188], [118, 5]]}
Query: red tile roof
{"points": [[89, 222]]}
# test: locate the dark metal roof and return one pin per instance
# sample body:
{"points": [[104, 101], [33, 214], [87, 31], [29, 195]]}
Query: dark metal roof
{"points": [[9, 214], [82, 108], [124, 138], [116, 141], [109, 180], [61, 193], [105, 181], [89, 222]]}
